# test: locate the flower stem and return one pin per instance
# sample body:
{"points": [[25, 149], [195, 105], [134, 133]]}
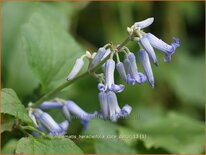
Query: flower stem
{"points": [[68, 83]]}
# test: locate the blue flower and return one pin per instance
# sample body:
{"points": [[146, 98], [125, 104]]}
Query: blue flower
{"points": [[99, 55], [46, 120], [109, 77], [145, 23], [76, 68], [162, 46], [71, 107], [121, 70], [144, 41], [133, 76], [145, 62], [50, 105], [110, 108]]}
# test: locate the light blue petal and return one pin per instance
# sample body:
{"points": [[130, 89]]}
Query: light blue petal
{"points": [[104, 105], [109, 73], [149, 49], [66, 112], [112, 103], [145, 23], [46, 120], [121, 70], [76, 69], [99, 55], [145, 62], [50, 105]]}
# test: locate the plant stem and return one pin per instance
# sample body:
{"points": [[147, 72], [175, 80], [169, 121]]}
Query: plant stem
{"points": [[68, 83]]}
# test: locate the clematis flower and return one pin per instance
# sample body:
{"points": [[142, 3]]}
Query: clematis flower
{"points": [[133, 76], [144, 41], [71, 107], [46, 120], [145, 62], [162, 46], [109, 77], [110, 108]]}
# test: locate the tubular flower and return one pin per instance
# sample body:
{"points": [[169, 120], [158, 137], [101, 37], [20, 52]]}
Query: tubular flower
{"points": [[133, 76], [47, 121], [162, 46], [76, 68], [78, 112], [110, 108], [145, 62], [109, 77]]}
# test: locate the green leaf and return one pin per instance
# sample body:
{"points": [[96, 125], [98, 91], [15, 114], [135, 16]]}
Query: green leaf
{"points": [[32, 145], [7, 122], [108, 141], [11, 105], [171, 131], [187, 79], [51, 51], [9, 147]]}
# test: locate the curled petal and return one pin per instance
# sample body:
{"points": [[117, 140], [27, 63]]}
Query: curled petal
{"points": [[130, 80], [101, 87], [145, 23], [162, 46], [126, 110], [145, 62], [149, 49], [50, 105], [117, 88], [76, 69], [104, 104]]}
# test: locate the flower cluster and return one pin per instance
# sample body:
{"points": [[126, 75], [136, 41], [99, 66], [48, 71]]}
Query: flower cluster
{"points": [[45, 123], [127, 70]]}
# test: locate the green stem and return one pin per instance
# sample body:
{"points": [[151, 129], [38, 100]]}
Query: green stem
{"points": [[68, 83]]}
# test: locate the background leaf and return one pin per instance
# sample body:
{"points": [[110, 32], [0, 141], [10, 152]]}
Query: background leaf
{"points": [[171, 131], [7, 122], [11, 105], [33, 145], [50, 49]]}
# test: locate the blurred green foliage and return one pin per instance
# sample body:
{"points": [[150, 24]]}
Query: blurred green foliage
{"points": [[171, 115]]}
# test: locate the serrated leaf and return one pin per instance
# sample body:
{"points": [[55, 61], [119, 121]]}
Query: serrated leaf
{"points": [[7, 122], [51, 51], [11, 105], [32, 145], [172, 131]]}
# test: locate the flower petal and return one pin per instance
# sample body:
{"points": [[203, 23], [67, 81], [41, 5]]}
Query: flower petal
{"points": [[145, 62], [145, 23], [50, 105], [149, 49], [104, 105], [100, 53], [76, 68]]}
